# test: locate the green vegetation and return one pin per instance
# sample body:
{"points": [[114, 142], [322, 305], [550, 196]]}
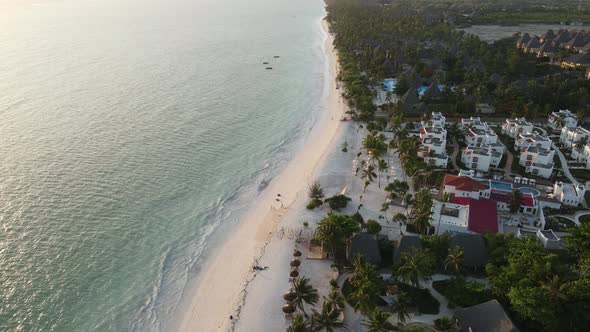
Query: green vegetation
{"points": [[415, 268], [337, 202], [363, 288], [546, 293], [376, 42], [373, 227], [463, 293], [334, 230], [585, 219], [316, 193], [509, 17]]}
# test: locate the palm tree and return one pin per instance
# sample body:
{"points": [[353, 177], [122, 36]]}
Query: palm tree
{"points": [[336, 299], [368, 175], [363, 296], [454, 259], [444, 324], [401, 308], [515, 201], [326, 320], [400, 218], [421, 221], [316, 191], [553, 287], [361, 270], [298, 324], [415, 267], [382, 165], [378, 321], [304, 293]]}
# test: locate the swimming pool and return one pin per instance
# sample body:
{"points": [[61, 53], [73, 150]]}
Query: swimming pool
{"points": [[524, 190], [390, 84], [501, 185], [423, 88]]}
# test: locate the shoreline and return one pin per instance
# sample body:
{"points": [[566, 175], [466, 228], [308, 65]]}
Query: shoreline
{"points": [[211, 301]]}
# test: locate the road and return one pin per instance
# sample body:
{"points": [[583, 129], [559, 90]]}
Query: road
{"points": [[564, 167]]}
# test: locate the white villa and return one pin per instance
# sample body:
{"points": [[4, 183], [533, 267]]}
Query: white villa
{"points": [[433, 141], [563, 118], [513, 127], [568, 194], [570, 136], [537, 160], [481, 158], [531, 139], [582, 155]]}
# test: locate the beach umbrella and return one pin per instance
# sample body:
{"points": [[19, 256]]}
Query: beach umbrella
{"points": [[290, 296], [294, 274], [297, 253], [295, 262], [288, 308]]}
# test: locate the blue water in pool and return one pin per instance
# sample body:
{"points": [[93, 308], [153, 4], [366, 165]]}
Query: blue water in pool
{"points": [[390, 84], [529, 191], [501, 185]]}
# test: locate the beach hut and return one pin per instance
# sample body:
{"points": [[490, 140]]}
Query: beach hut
{"points": [[297, 253], [295, 262]]}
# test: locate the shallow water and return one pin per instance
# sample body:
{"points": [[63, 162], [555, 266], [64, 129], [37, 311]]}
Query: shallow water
{"points": [[129, 131]]}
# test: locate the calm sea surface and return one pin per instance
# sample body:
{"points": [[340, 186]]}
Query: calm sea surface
{"points": [[129, 131]]}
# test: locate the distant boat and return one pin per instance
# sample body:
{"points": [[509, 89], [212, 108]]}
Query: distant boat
{"points": [[268, 67], [265, 63], [277, 56]]}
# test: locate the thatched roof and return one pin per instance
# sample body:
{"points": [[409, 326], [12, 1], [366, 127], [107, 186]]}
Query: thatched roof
{"points": [[474, 248], [365, 245], [432, 91], [485, 317], [406, 244], [410, 97]]}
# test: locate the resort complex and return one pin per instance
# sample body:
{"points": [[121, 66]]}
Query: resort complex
{"points": [[467, 170]]}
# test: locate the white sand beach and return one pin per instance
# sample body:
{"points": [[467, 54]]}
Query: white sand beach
{"points": [[227, 281]]}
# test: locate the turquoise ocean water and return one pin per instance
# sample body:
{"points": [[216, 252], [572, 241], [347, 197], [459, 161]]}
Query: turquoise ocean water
{"points": [[129, 131]]}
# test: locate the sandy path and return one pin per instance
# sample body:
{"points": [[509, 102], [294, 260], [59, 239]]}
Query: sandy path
{"points": [[220, 286]]}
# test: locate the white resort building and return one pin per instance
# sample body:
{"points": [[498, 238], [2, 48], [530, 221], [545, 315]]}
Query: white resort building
{"points": [[568, 194], [570, 136], [537, 160], [562, 118], [531, 139], [582, 155], [513, 127], [433, 141], [480, 158]]}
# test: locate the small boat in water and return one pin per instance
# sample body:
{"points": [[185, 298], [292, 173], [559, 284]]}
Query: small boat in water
{"points": [[265, 63], [268, 67], [277, 56]]}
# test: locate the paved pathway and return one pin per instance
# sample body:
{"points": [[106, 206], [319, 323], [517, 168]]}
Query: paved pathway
{"points": [[564, 167], [454, 154], [508, 165], [575, 218]]}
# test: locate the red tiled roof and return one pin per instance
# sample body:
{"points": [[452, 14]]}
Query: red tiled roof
{"points": [[463, 183], [483, 216], [460, 200], [527, 200]]}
